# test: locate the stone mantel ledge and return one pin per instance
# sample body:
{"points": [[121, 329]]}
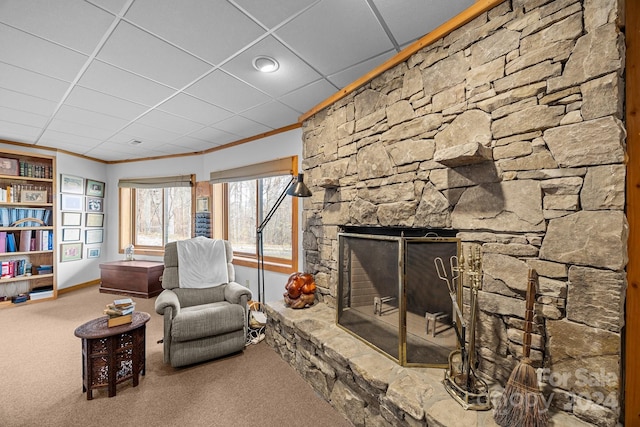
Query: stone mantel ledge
{"points": [[416, 392]]}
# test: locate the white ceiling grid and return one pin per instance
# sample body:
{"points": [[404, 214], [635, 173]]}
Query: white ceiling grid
{"points": [[90, 76]]}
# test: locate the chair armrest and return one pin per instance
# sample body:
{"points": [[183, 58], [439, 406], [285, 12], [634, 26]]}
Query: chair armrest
{"points": [[234, 292], [167, 298]]}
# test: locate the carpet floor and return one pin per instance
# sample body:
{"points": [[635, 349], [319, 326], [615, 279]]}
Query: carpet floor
{"points": [[41, 378]]}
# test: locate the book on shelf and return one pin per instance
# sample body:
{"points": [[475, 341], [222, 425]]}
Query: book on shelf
{"points": [[25, 240], [119, 320], [11, 243]]}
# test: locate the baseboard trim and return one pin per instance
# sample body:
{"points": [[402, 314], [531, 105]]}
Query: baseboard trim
{"points": [[79, 286]]}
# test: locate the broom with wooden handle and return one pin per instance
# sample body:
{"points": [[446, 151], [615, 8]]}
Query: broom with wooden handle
{"points": [[522, 403]]}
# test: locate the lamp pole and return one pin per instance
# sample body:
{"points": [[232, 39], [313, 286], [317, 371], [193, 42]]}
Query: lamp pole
{"points": [[295, 188]]}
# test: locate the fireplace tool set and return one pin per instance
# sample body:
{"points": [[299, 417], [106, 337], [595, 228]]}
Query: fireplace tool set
{"points": [[460, 379]]}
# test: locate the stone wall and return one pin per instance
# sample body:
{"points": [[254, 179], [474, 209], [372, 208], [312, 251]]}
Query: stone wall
{"points": [[509, 131]]}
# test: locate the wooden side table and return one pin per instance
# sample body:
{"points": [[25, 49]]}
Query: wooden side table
{"points": [[112, 355]]}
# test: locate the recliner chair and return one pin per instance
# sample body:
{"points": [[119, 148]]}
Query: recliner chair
{"points": [[201, 323]]}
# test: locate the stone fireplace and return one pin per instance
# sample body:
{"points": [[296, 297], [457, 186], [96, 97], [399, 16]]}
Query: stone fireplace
{"points": [[508, 130]]}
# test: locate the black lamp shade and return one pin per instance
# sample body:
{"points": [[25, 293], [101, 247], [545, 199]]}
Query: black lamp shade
{"points": [[298, 188]]}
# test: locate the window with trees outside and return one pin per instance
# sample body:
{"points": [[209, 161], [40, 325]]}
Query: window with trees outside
{"points": [[162, 215], [153, 214], [245, 204]]}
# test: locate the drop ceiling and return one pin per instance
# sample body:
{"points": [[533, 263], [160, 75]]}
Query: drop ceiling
{"points": [[91, 77]]}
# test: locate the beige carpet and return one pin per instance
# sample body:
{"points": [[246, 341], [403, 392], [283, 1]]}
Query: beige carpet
{"points": [[41, 378]]}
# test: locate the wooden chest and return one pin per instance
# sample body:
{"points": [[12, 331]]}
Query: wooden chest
{"points": [[133, 278]]}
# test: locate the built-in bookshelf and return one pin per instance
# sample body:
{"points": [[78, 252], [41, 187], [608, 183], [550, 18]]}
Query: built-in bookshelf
{"points": [[27, 228]]}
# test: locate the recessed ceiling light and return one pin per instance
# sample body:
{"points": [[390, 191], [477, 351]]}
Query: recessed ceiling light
{"points": [[265, 64]]}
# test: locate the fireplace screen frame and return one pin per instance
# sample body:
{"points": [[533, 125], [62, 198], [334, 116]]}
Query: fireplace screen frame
{"points": [[402, 354]]}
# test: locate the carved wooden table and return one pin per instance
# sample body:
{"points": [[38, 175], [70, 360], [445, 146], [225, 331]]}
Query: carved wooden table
{"points": [[112, 355]]}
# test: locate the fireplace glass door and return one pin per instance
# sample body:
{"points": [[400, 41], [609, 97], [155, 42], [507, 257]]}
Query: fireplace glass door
{"points": [[393, 296]]}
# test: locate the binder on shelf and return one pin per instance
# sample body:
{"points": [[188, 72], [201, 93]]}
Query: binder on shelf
{"points": [[3, 241]]}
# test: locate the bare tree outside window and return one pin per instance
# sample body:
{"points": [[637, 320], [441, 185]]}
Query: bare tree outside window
{"points": [[248, 203], [162, 215]]}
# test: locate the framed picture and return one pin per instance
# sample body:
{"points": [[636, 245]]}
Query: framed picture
{"points": [[93, 236], [71, 184], [202, 204], [70, 234], [93, 252], [71, 219], [93, 204], [71, 202], [70, 252], [33, 196], [94, 220], [95, 188], [8, 166]]}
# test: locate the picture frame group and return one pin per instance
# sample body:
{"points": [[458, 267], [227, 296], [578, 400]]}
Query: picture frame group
{"points": [[80, 198]]}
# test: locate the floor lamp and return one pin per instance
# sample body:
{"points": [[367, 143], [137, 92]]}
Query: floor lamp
{"points": [[295, 188]]}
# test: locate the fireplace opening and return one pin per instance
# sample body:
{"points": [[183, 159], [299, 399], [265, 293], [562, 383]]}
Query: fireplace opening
{"points": [[392, 296]]}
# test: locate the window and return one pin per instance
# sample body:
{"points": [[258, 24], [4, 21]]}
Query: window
{"points": [[162, 215], [155, 211], [248, 204], [246, 200]]}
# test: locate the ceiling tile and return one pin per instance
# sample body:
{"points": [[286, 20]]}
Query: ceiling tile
{"points": [[75, 24], [181, 148], [120, 138], [193, 144], [225, 28], [22, 102], [351, 74], [125, 151], [227, 92], [78, 129], [273, 114], [71, 114], [332, 41], [108, 79], [187, 106], [30, 83], [135, 50], [30, 52], [214, 136], [60, 139], [113, 6], [241, 126], [307, 97], [23, 117], [277, 12], [148, 134], [292, 74], [166, 121], [409, 20], [89, 99], [18, 132]]}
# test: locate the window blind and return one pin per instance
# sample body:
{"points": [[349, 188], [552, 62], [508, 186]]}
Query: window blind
{"points": [[157, 182], [283, 166]]}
